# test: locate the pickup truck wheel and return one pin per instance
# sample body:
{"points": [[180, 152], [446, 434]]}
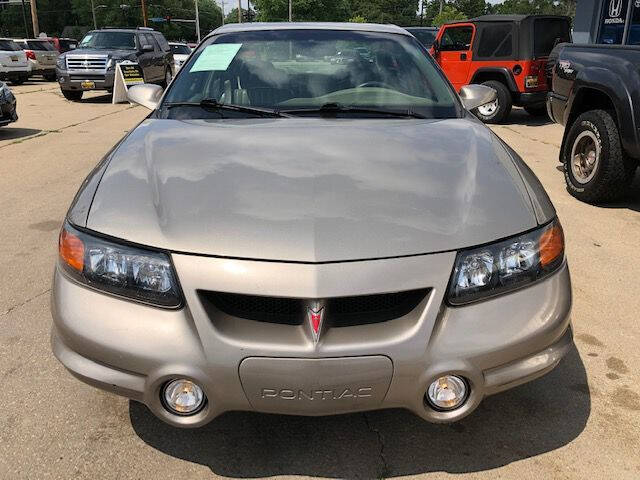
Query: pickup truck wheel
{"points": [[596, 168], [497, 111], [73, 95]]}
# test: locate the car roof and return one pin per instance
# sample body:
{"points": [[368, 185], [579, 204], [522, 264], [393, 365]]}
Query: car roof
{"points": [[504, 18], [359, 27], [420, 28], [31, 40], [177, 43]]}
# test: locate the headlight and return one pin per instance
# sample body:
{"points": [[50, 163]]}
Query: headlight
{"points": [[143, 275], [507, 265], [61, 63]]}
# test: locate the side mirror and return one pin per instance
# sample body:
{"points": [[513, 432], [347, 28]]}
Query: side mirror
{"points": [[147, 48], [436, 46], [474, 96], [146, 94]]}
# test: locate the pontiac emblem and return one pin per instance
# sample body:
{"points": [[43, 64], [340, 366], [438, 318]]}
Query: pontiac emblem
{"points": [[315, 315]]}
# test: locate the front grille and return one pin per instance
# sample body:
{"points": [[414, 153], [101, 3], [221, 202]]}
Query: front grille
{"points": [[86, 62], [339, 311], [86, 76]]}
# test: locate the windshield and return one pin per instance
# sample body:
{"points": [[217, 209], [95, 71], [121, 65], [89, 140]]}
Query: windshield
{"points": [[109, 41], [306, 69], [40, 45], [180, 49], [9, 46], [425, 36]]}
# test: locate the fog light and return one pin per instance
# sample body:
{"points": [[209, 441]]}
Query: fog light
{"points": [[447, 392], [183, 397]]}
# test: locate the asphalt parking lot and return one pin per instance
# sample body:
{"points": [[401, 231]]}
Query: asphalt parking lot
{"points": [[580, 421]]}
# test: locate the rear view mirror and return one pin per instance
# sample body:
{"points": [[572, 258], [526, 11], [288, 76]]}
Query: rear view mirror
{"points": [[435, 46], [147, 94], [474, 96]]}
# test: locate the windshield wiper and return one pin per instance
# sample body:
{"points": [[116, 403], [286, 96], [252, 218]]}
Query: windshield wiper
{"points": [[215, 105], [334, 107]]}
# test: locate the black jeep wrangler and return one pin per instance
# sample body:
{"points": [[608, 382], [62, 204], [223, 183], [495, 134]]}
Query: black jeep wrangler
{"points": [[92, 65]]}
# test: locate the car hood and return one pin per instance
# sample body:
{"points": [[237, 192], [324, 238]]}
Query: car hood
{"points": [[310, 189], [98, 51]]}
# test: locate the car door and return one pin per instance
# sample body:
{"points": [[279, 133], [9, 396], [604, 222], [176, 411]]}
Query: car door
{"points": [[157, 57], [454, 52], [145, 59]]}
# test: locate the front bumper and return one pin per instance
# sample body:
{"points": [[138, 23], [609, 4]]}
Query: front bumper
{"points": [[76, 80], [8, 112], [133, 350]]}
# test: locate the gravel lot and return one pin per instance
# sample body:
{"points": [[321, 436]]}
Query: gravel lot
{"points": [[580, 421]]}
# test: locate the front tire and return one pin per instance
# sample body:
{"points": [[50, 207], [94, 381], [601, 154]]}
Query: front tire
{"points": [[497, 111], [596, 167], [72, 95]]}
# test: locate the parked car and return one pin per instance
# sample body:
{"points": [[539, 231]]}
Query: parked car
{"points": [[63, 45], [8, 112], [41, 56], [92, 65], [425, 35], [505, 52], [596, 96], [13, 62], [181, 52], [310, 239]]}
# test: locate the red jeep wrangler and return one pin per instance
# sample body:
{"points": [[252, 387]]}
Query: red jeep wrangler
{"points": [[506, 52]]}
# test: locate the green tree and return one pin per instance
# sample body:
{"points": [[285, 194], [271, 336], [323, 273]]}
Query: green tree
{"points": [[232, 16], [471, 8], [449, 14], [303, 10], [358, 19], [399, 12]]}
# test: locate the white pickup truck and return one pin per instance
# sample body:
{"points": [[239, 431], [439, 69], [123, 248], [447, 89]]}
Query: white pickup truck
{"points": [[13, 62]]}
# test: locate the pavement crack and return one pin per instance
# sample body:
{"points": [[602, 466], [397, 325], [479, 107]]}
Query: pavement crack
{"points": [[385, 466], [22, 304], [61, 129]]}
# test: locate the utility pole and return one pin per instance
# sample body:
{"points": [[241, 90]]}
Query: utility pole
{"points": [[34, 19], [24, 17], [290, 11], [144, 13], [441, 6], [222, 11], [198, 21], [239, 11], [93, 12]]}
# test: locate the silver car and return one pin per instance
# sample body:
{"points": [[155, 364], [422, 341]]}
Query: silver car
{"points": [[290, 235], [41, 56]]}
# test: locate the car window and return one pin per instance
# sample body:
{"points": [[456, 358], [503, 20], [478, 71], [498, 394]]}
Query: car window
{"points": [[105, 40], [9, 45], [149, 40], [547, 33], [298, 69], [41, 45], [164, 45], [426, 37], [180, 50], [495, 40], [456, 38], [634, 28], [68, 44]]}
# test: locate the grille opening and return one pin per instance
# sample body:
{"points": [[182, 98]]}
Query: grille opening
{"points": [[339, 311]]}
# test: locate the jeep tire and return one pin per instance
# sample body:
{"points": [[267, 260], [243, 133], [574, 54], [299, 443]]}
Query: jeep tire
{"points": [[499, 110], [72, 95], [596, 167]]}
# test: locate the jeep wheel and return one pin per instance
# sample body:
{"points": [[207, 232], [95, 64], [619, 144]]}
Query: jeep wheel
{"points": [[596, 168], [498, 110], [73, 95], [537, 110]]}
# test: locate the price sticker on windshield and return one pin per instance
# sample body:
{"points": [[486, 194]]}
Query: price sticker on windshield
{"points": [[216, 57]]}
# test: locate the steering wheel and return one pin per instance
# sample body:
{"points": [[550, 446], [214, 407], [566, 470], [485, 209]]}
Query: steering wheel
{"points": [[375, 84]]}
